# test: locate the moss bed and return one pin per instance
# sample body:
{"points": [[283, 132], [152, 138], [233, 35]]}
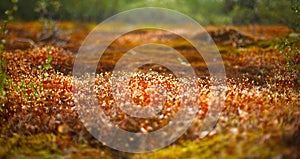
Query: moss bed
{"points": [[260, 119]]}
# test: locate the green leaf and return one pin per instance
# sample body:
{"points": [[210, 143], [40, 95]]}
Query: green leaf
{"points": [[7, 12], [14, 1], [30, 85], [15, 8], [26, 96], [293, 52], [5, 23], [4, 77], [47, 66], [9, 81], [40, 87], [1, 48], [3, 93], [16, 88], [10, 18], [36, 94], [4, 64], [49, 59], [23, 85]]}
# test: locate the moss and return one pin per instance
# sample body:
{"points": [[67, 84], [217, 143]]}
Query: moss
{"points": [[39, 145], [259, 121], [248, 145], [47, 146], [227, 145]]}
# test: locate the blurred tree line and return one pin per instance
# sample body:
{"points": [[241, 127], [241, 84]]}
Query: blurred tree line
{"points": [[206, 12]]}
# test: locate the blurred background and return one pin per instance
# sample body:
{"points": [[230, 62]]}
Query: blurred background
{"points": [[206, 12]]}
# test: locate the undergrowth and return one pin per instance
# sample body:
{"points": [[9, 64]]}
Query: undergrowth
{"points": [[3, 62]]}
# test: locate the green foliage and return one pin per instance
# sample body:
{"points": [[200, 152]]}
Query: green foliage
{"points": [[206, 12], [49, 59], [244, 12], [219, 146], [290, 48], [296, 9], [89, 10], [48, 145], [47, 10], [47, 66], [30, 91], [243, 15], [275, 12], [3, 25], [267, 12], [3, 62]]}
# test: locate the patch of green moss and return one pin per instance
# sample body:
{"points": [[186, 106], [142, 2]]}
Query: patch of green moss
{"points": [[227, 50], [42, 145], [47, 146], [267, 43], [247, 145]]}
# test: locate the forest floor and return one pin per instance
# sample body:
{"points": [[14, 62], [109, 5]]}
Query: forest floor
{"points": [[260, 118]]}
